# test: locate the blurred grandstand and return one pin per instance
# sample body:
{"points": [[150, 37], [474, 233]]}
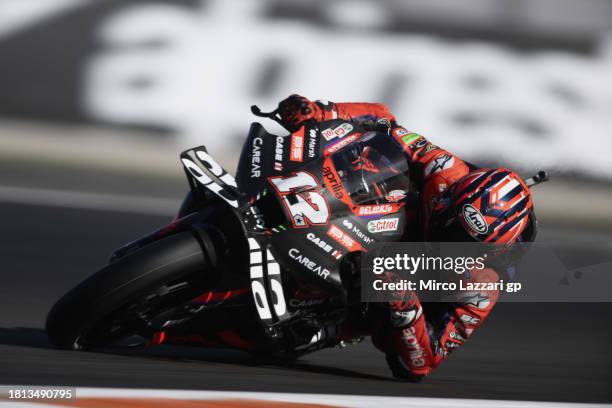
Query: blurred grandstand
{"points": [[520, 82]]}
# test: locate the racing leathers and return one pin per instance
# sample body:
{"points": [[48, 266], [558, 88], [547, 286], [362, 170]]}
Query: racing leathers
{"points": [[417, 337]]}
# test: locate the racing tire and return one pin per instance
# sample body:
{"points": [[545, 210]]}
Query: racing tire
{"points": [[155, 278]]}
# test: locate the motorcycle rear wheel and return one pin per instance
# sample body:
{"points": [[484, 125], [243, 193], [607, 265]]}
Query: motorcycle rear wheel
{"points": [[127, 297]]}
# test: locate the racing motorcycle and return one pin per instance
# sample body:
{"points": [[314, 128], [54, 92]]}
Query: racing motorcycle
{"points": [[267, 261]]}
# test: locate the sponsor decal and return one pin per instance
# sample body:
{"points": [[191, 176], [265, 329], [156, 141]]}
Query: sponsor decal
{"points": [[438, 164], [343, 239], [222, 189], [322, 244], [312, 143], [474, 219], [307, 207], [383, 225], [355, 230], [479, 300], [404, 136], [263, 303], [278, 153], [456, 336], [341, 144], [305, 302], [410, 137], [333, 183], [339, 131], [395, 195], [429, 147], [469, 319], [416, 353], [296, 152], [399, 132], [309, 264], [376, 209], [403, 318], [418, 144], [256, 157], [450, 346], [383, 122]]}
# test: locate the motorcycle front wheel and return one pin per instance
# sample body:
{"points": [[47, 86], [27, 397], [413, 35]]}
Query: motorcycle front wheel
{"points": [[134, 295]]}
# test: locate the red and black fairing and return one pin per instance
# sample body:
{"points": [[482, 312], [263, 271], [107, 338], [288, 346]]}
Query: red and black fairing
{"points": [[308, 221], [290, 234]]}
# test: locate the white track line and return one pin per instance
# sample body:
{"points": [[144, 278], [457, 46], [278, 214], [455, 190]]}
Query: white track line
{"points": [[353, 401], [330, 399], [90, 201]]}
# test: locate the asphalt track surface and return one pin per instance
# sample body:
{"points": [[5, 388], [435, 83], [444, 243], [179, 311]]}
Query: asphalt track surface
{"points": [[537, 352]]}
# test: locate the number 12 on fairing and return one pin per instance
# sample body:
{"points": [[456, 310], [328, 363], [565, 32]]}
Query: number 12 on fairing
{"points": [[307, 206]]}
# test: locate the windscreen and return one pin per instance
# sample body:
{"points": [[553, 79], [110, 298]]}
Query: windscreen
{"points": [[373, 170]]}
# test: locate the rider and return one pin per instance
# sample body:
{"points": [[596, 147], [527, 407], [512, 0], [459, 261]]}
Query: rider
{"points": [[413, 344]]}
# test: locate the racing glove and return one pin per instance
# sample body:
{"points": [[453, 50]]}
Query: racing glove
{"points": [[296, 109]]}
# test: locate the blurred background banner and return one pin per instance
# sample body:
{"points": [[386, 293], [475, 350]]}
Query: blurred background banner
{"points": [[525, 83]]}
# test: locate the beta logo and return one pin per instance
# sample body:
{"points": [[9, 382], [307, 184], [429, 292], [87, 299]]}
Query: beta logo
{"points": [[339, 131], [383, 225], [474, 219]]}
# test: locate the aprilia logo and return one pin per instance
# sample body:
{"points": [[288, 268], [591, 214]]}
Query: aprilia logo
{"points": [[333, 182]]}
